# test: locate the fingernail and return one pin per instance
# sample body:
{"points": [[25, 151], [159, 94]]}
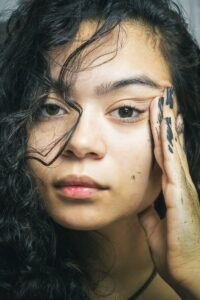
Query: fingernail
{"points": [[160, 106], [169, 100], [170, 135], [179, 124]]}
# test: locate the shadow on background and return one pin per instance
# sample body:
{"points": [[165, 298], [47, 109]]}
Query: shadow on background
{"points": [[2, 30]]}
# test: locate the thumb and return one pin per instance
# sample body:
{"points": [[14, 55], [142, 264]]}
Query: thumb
{"points": [[155, 230], [149, 220]]}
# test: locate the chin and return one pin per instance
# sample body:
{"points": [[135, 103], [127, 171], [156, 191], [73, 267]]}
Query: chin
{"points": [[81, 225]]}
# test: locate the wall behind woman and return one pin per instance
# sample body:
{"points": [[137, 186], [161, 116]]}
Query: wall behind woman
{"points": [[191, 8], [192, 14]]}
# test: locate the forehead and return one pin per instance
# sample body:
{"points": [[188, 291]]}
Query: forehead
{"points": [[130, 47]]}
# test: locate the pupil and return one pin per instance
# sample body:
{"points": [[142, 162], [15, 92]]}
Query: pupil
{"points": [[52, 109], [125, 112]]}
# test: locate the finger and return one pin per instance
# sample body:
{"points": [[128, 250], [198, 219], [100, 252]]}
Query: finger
{"points": [[156, 116], [180, 129], [180, 141], [149, 219], [172, 178], [175, 162], [155, 230]]}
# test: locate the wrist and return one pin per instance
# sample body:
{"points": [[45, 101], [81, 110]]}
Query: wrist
{"points": [[188, 291], [185, 294], [188, 288]]}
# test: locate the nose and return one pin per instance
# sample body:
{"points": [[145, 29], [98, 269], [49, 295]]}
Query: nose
{"points": [[87, 139]]}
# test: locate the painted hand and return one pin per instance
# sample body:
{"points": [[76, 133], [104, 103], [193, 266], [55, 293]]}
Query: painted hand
{"points": [[175, 240]]}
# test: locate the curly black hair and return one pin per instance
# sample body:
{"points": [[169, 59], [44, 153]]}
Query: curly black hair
{"points": [[39, 259]]}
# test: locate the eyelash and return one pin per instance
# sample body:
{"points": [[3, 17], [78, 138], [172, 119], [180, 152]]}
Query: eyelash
{"points": [[134, 109], [124, 120], [42, 115]]}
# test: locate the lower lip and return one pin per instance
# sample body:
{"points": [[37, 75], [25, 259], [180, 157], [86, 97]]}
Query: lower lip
{"points": [[78, 191]]}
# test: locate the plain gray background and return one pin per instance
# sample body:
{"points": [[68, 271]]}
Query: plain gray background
{"points": [[191, 8]]}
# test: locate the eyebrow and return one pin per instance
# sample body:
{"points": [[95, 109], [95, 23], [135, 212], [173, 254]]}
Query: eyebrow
{"points": [[142, 80]]}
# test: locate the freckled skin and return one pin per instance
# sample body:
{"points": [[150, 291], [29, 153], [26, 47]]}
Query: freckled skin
{"points": [[109, 151]]}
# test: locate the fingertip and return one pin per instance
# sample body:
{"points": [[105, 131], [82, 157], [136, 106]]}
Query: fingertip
{"points": [[179, 124], [148, 219]]}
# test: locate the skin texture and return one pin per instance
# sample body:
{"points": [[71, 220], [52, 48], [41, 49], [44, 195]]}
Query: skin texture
{"points": [[111, 151], [135, 160]]}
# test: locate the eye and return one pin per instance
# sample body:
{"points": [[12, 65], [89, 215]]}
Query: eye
{"points": [[127, 113], [50, 110]]}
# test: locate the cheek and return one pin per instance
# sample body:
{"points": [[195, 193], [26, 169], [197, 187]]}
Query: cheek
{"points": [[134, 152], [41, 174], [134, 158]]}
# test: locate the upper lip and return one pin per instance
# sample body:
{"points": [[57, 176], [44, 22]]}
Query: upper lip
{"points": [[75, 180]]}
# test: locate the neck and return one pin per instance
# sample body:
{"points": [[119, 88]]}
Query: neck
{"points": [[126, 256]]}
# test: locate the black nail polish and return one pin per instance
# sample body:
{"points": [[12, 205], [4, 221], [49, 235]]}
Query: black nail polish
{"points": [[170, 149], [169, 100], [169, 134], [160, 106], [161, 103]]}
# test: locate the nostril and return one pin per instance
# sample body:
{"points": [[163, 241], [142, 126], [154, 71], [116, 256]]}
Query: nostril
{"points": [[80, 155], [92, 154], [69, 153], [85, 147]]}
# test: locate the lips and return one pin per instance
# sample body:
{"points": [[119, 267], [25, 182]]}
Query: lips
{"points": [[78, 187], [79, 181]]}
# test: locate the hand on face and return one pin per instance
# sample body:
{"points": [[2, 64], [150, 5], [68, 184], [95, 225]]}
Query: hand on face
{"points": [[175, 240]]}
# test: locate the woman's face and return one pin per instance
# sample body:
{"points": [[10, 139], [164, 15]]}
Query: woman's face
{"points": [[112, 143]]}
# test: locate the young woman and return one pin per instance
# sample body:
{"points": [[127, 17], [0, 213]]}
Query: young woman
{"points": [[99, 152]]}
